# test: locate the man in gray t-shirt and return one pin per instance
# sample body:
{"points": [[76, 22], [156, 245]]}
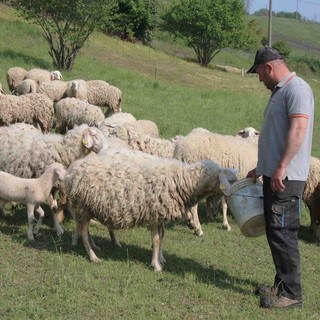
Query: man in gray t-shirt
{"points": [[284, 151]]}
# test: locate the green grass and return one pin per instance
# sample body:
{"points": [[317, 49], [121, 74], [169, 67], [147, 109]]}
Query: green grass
{"points": [[212, 277]]}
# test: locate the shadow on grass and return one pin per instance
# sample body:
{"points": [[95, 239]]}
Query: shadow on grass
{"points": [[13, 55], [182, 267]]}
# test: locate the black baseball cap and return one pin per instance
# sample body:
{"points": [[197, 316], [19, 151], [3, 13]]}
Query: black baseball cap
{"points": [[264, 55]]}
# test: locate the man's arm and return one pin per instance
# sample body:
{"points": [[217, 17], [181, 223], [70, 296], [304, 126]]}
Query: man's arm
{"points": [[295, 137]]}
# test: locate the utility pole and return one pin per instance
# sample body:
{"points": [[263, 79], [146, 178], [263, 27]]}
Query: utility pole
{"points": [[270, 24]]}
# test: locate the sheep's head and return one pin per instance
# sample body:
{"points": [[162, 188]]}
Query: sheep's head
{"points": [[227, 176], [248, 132], [56, 75], [94, 140]]}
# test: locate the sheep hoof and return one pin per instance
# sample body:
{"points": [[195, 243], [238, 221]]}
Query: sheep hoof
{"points": [[198, 233], [30, 237], [60, 232], [227, 227], [95, 260]]}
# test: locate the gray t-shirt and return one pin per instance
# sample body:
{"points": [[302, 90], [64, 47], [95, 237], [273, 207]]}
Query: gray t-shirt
{"points": [[291, 96]]}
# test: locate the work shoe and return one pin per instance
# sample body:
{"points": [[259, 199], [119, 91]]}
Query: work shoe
{"points": [[280, 302], [266, 291]]}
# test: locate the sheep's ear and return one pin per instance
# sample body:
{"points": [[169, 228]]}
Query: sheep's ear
{"points": [[61, 172], [225, 186], [87, 138], [240, 133]]}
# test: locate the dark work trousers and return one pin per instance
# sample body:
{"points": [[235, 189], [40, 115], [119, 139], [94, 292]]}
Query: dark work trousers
{"points": [[282, 217]]}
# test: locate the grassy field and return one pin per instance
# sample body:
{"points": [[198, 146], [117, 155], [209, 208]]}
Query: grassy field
{"points": [[212, 277]]}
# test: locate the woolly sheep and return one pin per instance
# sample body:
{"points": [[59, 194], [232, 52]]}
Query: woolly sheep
{"points": [[77, 89], [41, 75], [225, 150], [33, 108], [144, 142], [26, 151], [14, 76], [55, 90], [31, 192], [97, 92], [129, 121], [120, 194], [71, 111], [25, 86]]}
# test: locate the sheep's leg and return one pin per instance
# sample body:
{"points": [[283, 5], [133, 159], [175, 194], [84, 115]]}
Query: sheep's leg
{"points": [[156, 242], [56, 225], [114, 240], [30, 211], [162, 260], [196, 223], [84, 231], [75, 236], [211, 207], [224, 213], [40, 212]]}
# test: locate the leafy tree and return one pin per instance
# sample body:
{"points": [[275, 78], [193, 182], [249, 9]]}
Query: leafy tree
{"points": [[282, 47], [66, 25], [207, 26], [134, 19]]}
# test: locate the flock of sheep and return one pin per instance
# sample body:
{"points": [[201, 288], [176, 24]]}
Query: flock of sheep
{"points": [[111, 167]]}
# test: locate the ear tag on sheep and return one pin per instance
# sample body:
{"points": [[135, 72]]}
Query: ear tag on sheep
{"points": [[223, 186]]}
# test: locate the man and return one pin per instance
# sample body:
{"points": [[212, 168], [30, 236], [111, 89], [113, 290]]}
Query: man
{"points": [[284, 152]]}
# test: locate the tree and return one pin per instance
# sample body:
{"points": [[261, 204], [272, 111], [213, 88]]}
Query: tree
{"points": [[67, 24], [206, 26], [134, 19]]}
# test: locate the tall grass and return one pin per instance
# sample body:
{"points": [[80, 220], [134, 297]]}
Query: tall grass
{"points": [[212, 277]]}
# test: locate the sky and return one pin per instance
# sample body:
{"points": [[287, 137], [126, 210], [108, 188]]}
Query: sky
{"points": [[309, 9]]}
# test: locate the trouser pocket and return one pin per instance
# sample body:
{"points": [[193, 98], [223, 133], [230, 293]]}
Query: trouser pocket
{"points": [[286, 214]]}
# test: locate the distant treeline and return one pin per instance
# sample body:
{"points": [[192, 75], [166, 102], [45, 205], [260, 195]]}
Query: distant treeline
{"points": [[282, 14]]}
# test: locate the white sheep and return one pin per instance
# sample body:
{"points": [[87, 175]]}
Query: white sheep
{"points": [[128, 120], [124, 194], [77, 89], [33, 108], [97, 92], [55, 90], [226, 150], [144, 142], [31, 192], [14, 76], [26, 152], [25, 86], [70, 112], [42, 75]]}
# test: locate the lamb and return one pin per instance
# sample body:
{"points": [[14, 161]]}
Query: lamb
{"points": [[105, 189], [25, 86], [31, 192], [26, 151], [97, 92], [41, 75], [33, 108], [55, 90], [71, 111], [227, 151], [14, 76]]}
